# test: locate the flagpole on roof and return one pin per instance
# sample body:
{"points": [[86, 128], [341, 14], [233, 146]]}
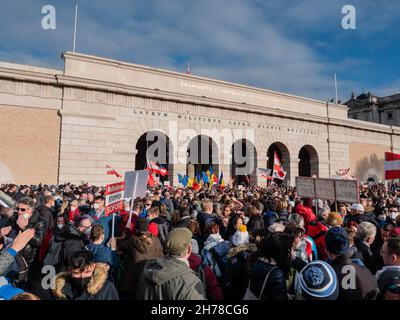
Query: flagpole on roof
{"points": [[336, 90], [76, 18]]}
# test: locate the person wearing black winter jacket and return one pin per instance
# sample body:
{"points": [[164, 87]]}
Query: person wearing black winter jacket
{"points": [[85, 280], [65, 242], [28, 218], [271, 265]]}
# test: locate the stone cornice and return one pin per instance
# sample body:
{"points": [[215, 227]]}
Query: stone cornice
{"points": [[76, 62], [66, 113], [180, 98], [27, 75]]}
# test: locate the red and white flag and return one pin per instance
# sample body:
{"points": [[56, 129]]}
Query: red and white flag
{"points": [[392, 166], [278, 172], [343, 172], [154, 168], [112, 172]]}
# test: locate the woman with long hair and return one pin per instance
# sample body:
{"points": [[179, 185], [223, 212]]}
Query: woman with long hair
{"points": [[270, 267]]}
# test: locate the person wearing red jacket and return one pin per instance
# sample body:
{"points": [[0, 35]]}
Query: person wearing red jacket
{"points": [[131, 225], [305, 210], [207, 276], [317, 231]]}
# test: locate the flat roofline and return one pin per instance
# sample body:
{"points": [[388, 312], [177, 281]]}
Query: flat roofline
{"points": [[24, 67], [108, 61]]}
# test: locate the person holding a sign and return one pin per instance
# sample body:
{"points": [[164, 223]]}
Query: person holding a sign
{"points": [[99, 217]]}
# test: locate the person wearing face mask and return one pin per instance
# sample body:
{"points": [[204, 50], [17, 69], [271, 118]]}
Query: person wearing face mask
{"points": [[98, 216], [27, 218], [66, 240], [73, 211], [86, 280], [393, 213]]}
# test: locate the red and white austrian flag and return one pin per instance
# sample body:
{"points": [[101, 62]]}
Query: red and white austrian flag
{"points": [[157, 169], [392, 166], [343, 172], [278, 172]]}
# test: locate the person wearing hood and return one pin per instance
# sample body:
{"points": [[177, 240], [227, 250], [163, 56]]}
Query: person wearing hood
{"points": [[305, 210], [170, 278], [85, 280], [234, 278], [66, 240], [207, 277], [161, 222], [364, 284], [137, 249], [215, 248]]}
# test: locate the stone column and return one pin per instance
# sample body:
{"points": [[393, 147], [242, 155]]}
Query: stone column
{"points": [[294, 171], [261, 163]]}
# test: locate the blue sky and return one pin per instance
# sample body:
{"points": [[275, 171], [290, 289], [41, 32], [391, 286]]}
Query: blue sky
{"points": [[286, 45]]}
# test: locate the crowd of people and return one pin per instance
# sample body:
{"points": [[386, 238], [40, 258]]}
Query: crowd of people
{"points": [[232, 243]]}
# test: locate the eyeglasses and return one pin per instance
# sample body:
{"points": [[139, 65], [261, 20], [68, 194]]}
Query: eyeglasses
{"points": [[21, 209]]}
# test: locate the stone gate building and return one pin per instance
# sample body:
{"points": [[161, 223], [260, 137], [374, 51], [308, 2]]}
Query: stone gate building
{"points": [[66, 126]]}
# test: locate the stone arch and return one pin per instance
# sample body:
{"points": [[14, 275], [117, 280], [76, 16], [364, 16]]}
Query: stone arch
{"points": [[202, 152], [156, 146], [308, 161], [244, 162], [283, 153]]}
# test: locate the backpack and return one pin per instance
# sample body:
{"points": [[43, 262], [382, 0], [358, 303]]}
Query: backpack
{"points": [[55, 254], [249, 295], [215, 258], [272, 217], [200, 273]]}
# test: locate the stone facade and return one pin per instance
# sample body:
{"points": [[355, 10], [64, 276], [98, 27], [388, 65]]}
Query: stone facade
{"points": [[95, 111], [367, 107]]}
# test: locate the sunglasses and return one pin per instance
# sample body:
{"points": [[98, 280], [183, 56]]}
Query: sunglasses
{"points": [[21, 209]]}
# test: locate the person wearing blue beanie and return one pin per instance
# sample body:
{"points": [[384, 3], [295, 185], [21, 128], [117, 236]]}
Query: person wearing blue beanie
{"points": [[355, 282], [337, 241]]}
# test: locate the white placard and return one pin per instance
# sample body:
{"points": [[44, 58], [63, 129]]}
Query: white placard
{"points": [[141, 184]]}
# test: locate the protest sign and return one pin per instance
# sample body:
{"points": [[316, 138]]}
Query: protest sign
{"points": [[305, 187], [325, 189], [114, 198], [347, 191]]}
